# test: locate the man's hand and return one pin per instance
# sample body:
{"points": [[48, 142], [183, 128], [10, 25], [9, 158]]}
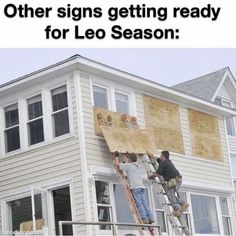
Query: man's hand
{"points": [[153, 176]]}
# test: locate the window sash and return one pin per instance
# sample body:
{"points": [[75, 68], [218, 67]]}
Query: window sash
{"points": [[36, 132], [10, 120], [59, 98], [35, 110], [61, 124], [12, 139], [100, 97]]}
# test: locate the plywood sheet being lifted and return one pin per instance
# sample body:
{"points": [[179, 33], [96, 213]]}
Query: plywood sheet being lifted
{"points": [[107, 118], [205, 135], [163, 121], [129, 140]]}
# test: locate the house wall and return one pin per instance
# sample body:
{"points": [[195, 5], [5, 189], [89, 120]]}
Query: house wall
{"points": [[198, 173], [49, 163]]}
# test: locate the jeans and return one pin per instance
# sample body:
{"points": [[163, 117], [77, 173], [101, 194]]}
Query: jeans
{"points": [[174, 201], [141, 203]]}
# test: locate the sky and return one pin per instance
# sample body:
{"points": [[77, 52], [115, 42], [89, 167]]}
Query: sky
{"points": [[164, 66]]}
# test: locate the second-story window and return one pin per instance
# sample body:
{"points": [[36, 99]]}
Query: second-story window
{"points": [[122, 103], [100, 97], [230, 123], [12, 133], [60, 111], [35, 116]]}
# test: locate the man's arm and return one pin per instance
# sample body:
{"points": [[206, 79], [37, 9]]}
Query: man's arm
{"points": [[120, 166]]}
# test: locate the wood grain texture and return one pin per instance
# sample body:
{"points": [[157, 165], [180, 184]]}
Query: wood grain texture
{"points": [[129, 140], [205, 135], [163, 121], [107, 118]]}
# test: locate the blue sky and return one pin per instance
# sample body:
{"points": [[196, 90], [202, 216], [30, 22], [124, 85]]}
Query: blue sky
{"points": [[165, 66]]}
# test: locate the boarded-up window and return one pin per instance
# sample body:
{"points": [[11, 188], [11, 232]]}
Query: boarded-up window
{"points": [[205, 135], [163, 120]]}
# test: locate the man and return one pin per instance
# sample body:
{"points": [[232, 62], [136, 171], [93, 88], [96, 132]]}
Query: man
{"points": [[134, 175], [171, 175]]}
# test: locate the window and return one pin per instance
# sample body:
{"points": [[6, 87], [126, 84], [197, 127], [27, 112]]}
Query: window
{"points": [[123, 213], [186, 214], [60, 111], [204, 214], [21, 213], [225, 215], [35, 117], [230, 124], [122, 103], [233, 163], [12, 133], [103, 204], [160, 214], [100, 97]]}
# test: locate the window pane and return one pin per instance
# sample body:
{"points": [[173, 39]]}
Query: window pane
{"points": [[21, 211], [205, 214], [11, 115], [100, 97], [12, 139], [224, 206], [226, 225], [230, 126], [61, 123], [161, 220], [59, 98], [233, 163], [123, 213], [35, 107], [36, 134], [122, 103], [104, 216], [218, 101], [102, 192]]}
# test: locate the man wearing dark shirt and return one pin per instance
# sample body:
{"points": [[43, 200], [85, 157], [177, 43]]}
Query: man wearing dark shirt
{"points": [[173, 178]]}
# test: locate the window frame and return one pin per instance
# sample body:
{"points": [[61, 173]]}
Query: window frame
{"points": [[58, 111], [113, 87], [228, 217], [35, 119], [11, 127], [107, 95], [129, 100]]}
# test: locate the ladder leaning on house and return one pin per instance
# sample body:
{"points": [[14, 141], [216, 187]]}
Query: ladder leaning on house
{"points": [[158, 186]]}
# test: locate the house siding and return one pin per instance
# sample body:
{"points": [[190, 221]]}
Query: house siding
{"points": [[195, 170], [223, 93], [52, 162]]}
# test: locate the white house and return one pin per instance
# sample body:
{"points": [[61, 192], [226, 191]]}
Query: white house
{"points": [[54, 164]]}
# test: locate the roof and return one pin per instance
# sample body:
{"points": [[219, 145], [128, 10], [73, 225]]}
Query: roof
{"points": [[203, 87], [92, 67]]}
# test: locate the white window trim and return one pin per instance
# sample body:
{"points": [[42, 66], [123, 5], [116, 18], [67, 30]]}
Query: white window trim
{"points": [[46, 98], [113, 87]]}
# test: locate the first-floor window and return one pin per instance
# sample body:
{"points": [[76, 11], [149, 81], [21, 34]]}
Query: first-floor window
{"points": [[186, 214], [12, 133], [123, 214], [225, 215], [103, 203], [21, 213], [159, 213], [205, 214]]}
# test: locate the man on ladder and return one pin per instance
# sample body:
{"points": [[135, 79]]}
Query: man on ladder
{"points": [[134, 175], [171, 175]]}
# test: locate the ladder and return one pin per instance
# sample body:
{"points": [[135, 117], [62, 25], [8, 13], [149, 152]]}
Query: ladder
{"points": [[125, 185], [131, 201], [159, 187]]}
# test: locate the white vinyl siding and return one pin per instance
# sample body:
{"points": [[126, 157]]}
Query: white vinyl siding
{"points": [[47, 164]]}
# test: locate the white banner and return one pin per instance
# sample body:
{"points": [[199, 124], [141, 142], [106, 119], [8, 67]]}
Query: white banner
{"points": [[117, 23]]}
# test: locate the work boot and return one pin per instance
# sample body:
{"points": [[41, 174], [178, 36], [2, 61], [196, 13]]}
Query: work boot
{"points": [[184, 206], [145, 221], [151, 221], [176, 213]]}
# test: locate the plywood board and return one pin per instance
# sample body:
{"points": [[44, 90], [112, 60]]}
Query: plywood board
{"points": [[107, 118], [205, 135], [162, 119], [129, 140]]}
